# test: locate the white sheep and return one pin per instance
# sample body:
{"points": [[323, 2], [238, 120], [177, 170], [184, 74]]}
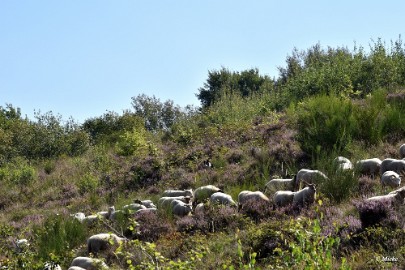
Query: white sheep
{"points": [[222, 198], [309, 176], [402, 151], [133, 207], [283, 198], [91, 219], [305, 196], [106, 214], [146, 203], [21, 245], [180, 208], [390, 164], [176, 193], [397, 190], [343, 163], [88, 263], [203, 193], [103, 241], [164, 202], [79, 216], [147, 210], [391, 178], [281, 184], [249, 196], [370, 166], [395, 197], [199, 209]]}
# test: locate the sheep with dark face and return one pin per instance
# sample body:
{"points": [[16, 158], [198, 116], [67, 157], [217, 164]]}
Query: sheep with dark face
{"points": [[103, 241], [369, 166], [281, 184], [222, 198], [391, 179], [87, 263], [305, 196], [390, 164]]}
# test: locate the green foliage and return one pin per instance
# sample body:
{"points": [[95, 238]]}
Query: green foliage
{"points": [[311, 249], [331, 123], [156, 115], [87, 183], [59, 235], [18, 172], [224, 82], [324, 123], [132, 142], [108, 128]]}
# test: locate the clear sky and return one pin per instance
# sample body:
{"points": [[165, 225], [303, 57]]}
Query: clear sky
{"points": [[81, 58]]}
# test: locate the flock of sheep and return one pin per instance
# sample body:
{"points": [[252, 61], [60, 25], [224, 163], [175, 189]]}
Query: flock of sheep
{"points": [[299, 191]]}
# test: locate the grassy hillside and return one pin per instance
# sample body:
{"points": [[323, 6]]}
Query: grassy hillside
{"points": [[251, 129]]}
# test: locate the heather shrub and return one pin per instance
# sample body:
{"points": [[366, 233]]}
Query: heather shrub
{"points": [[151, 227], [377, 212]]}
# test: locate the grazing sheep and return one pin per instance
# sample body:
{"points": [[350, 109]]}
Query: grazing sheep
{"points": [[146, 203], [164, 202], [204, 193], [281, 184], [133, 207], [305, 195], [369, 166], [107, 214], [309, 176], [395, 198], [283, 198], [177, 193], [222, 198], [199, 209], [402, 151], [180, 208], [79, 216], [389, 164], [102, 241], [88, 263], [147, 210], [246, 196], [116, 214], [391, 178], [91, 219], [21, 245], [343, 163]]}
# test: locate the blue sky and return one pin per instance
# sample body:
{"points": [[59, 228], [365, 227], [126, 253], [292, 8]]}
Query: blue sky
{"points": [[82, 58]]}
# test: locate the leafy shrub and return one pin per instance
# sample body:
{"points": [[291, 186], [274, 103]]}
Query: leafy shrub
{"points": [[324, 123], [87, 182]]}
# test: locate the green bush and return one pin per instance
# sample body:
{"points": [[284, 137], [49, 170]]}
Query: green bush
{"points": [[324, 123], [59, 235]]}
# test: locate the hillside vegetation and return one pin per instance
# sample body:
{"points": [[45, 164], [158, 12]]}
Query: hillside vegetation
{"points": [[251, 128]]}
